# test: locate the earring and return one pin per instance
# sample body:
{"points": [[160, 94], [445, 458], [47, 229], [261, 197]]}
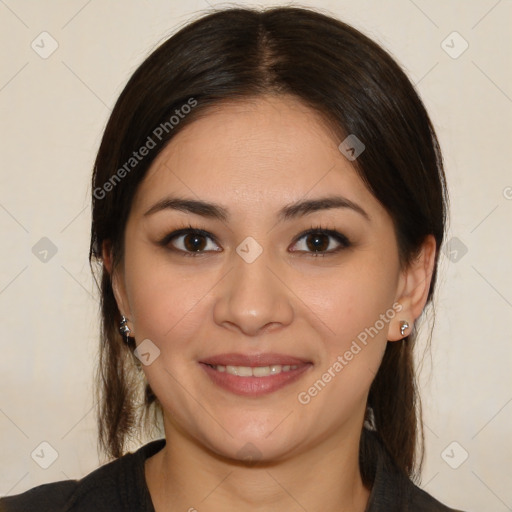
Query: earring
{"points": [[404, 325], [124, 329]]}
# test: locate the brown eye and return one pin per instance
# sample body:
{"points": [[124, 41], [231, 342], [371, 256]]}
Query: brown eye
{"points": [[317, 242], [321, 242], [193, 242], [190, 242]]}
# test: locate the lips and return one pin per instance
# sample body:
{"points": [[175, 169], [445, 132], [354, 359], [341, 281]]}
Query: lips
{"points": [[256, 374]]}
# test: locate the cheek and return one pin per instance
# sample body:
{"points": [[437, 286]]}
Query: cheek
{"points": [[358, 311], [167, 304], [355, 306]]}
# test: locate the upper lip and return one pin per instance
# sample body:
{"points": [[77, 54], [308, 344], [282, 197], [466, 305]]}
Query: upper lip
{"points": [[253, 360]]}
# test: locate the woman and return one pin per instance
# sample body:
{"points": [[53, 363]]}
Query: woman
{"points": [[268, 206]]}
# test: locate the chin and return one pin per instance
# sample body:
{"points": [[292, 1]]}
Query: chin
{"points": [[254, 441], [253, 451]]}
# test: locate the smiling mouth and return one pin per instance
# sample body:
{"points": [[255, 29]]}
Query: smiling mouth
{"points": [[254, 376], [256, 371]]}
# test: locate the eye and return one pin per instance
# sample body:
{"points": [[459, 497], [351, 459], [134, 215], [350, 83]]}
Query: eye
{"points": [[190, 242], [321, 242], [317, 241]]}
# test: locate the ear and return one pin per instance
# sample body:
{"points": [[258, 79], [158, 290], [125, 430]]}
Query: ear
{"points": [[116, 278], [413, 287]]}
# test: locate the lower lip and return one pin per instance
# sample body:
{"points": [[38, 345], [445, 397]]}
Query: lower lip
{"points": [[254, 386]]}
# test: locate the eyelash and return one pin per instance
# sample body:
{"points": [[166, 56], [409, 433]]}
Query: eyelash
{"points": [[314, 230]]}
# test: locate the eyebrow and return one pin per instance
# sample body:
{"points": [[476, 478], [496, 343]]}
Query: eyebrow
{"points": [[288, 212]]}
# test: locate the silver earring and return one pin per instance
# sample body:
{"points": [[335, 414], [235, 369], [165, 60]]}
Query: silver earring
{"points": [[404, 325], [124, 329]]}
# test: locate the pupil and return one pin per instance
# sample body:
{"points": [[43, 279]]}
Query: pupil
{"points": [[318, 242], [194, 242]]}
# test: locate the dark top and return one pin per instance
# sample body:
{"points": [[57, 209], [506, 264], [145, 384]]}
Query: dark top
{"points": [[121, 486]]}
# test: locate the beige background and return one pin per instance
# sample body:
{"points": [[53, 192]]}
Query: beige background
{"points": [[53, 111]]}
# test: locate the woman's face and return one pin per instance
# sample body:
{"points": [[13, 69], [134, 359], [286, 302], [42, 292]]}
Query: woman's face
{"points": [[301, 320]]}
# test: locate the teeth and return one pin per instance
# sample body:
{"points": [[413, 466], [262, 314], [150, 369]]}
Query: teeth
{"points": [[257, 371]]}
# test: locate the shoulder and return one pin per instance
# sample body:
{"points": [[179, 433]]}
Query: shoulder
{"points": [[108, 488], [420, 501], [44, 498], [394, 490]]}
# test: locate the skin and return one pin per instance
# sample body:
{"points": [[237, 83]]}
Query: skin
{"points": [[253, 157]]}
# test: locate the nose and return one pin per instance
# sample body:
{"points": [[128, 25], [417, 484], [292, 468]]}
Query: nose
{"points": [[252, 299]]}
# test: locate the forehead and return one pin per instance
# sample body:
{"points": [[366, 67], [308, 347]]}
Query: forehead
{"points": [[267, 149]]}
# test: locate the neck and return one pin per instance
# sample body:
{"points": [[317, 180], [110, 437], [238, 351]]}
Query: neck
{"points": [[185, 476]]}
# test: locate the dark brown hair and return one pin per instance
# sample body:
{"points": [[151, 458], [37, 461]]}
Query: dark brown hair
{"points": [[358, 89]]}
